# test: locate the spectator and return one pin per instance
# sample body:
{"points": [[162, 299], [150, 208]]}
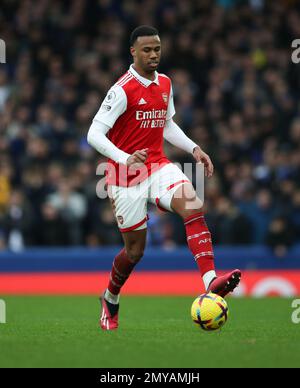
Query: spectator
{"points": [[295, 209], [55, 230], [280, 237], [4, 89], [17, 222], [104, 229], [236, 93], [72, 208], [231, 227], [2, 241], [260, 212]]}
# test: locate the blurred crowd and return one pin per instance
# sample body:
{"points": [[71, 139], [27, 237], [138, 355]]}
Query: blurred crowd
{"points": [[236, 94]]}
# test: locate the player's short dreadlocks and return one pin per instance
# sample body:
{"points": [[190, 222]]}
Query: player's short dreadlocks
{"points": [[142, 31]]}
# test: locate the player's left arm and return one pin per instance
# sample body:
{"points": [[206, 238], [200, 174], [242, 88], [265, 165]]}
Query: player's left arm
{"points": [[175, 135]]}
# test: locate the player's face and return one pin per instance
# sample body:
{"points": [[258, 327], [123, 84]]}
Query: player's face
{"points": [[146, 53]]}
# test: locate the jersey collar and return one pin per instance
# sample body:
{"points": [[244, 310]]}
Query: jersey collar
{"points": [[144, 81]]}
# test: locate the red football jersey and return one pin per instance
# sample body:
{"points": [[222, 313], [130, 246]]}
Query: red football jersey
{"points": [[137, 110]]}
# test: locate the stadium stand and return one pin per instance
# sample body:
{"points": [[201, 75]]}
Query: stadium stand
{"points": [[236, 93]]}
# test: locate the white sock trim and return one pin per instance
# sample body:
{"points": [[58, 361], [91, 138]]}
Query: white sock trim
{"points": [[208, 277], [111, 298]]}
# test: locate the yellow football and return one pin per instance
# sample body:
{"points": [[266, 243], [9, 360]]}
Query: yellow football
{"points": [[209, 311]]}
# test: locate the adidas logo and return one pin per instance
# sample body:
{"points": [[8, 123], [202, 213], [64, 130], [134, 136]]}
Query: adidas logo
{"points": [[142, 102]]}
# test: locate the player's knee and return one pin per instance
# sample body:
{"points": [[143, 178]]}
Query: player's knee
{"points": [[192, 208], [198, 205]]}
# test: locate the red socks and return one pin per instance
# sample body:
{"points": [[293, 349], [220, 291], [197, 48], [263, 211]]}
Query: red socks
{"points": [[199, 242], [122, 268]]}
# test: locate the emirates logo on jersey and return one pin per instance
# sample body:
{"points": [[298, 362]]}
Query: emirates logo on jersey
{"points": [[165, 97], [150, 114], [152, 118]]}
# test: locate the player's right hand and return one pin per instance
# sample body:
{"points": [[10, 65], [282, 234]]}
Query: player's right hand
{"points": [[138, 158]]}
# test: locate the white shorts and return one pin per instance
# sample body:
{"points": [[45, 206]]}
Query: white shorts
{"points": [[130, 203]]}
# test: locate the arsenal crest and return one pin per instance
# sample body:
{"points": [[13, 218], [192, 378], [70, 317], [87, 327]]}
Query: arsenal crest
{"points": [[165, 97]]}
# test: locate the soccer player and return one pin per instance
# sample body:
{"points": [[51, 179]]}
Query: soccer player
{"points": [[129, 128]]}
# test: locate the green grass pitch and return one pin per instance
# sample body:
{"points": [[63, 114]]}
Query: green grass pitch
{"points": [[154, 332]]}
